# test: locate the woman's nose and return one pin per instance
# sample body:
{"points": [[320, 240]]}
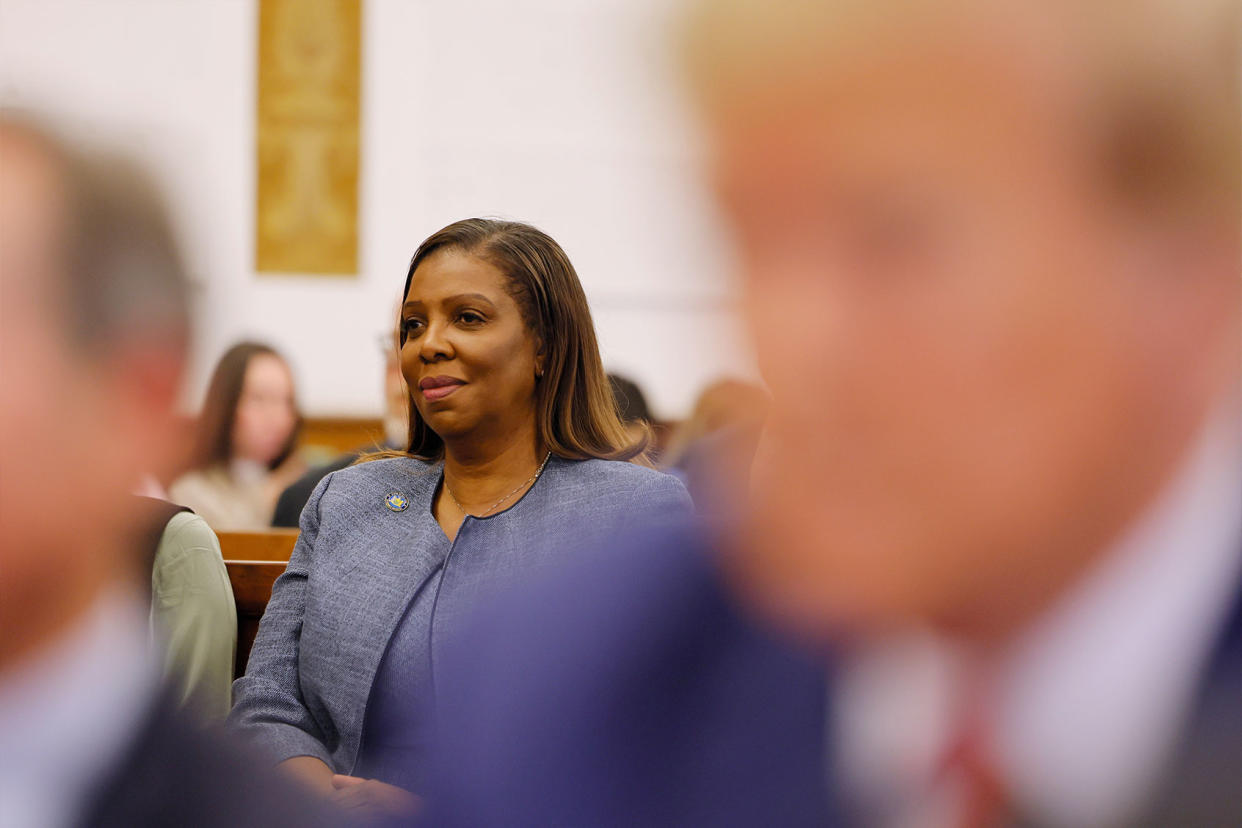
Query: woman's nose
{"points": [[434, 345]]}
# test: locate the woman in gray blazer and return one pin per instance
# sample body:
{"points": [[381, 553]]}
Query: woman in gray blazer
{"points": [[516, 457]]}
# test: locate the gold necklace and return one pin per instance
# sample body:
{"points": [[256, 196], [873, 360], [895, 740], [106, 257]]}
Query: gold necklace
{"points": [[528, 482]]}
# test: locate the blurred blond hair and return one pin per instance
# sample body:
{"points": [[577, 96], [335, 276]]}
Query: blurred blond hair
{"points": [[1156, 81]]}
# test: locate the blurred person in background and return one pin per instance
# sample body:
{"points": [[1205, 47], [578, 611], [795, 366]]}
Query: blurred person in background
{"points": [[992, 569], [246, 438], [395, 423], [712, 451], [516, 460], [93, 343]]}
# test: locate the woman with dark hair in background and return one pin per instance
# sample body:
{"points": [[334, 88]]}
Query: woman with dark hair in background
{"points": [[516, 453], [246, 435]]}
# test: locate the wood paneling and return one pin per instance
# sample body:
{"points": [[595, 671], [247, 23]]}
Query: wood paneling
{"points": [[254, 561], [327, 437], [252, 589]]}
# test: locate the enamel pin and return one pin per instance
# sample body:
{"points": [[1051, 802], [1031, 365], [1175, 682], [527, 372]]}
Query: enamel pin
{"points": [[397, 502]]}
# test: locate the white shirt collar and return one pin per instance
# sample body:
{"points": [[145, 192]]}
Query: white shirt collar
{"points": [[1089, 699], [1094, 694], [66, 714]]}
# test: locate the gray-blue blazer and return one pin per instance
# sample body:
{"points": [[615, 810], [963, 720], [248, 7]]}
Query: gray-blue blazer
{"points": [[359, 562]]}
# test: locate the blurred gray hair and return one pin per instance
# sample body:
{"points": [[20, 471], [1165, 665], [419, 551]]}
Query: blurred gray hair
{"points": [[124, 278]]}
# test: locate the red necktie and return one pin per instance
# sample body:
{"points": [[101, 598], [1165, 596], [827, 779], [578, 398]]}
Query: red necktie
{"points": [[968, 759]]}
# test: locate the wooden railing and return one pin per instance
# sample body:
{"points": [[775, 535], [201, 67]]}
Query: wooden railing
{"points": [[268, 545], [254, 561]]}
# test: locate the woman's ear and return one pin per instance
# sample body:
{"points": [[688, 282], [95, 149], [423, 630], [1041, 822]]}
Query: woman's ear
{"points": [[540, 361]]}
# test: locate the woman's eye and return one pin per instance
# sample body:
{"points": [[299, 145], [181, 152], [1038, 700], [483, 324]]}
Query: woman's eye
{"points": [[411, 326], [469, 317]]}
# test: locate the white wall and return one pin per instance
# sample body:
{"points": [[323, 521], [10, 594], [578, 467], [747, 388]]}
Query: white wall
{"points": [[564, 113]]}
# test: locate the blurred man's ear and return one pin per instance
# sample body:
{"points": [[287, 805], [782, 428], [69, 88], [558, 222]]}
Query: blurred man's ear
{"points": [[1185, 278], [146, 380]]}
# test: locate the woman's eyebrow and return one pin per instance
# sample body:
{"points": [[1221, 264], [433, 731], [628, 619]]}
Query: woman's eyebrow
{"points": [[461, 297], [415, 304]]}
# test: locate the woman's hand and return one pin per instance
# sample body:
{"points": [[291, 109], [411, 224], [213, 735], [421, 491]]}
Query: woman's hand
{"points": [[312, 772], [370, 797]]}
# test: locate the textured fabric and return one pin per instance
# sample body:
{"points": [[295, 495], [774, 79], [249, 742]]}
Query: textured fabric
{"points": [[193, 616], [358, 564], [399, 723]]}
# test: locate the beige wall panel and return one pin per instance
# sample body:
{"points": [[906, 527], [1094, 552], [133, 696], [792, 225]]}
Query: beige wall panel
{"points": [[306, 214]]}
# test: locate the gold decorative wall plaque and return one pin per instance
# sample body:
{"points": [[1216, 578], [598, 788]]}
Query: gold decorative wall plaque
{"points": [[306, 211]]}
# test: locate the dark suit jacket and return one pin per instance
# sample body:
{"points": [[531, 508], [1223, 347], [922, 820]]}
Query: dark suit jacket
{"points": [[175, 774], [293, 499], [639, 694], [633, 695]]}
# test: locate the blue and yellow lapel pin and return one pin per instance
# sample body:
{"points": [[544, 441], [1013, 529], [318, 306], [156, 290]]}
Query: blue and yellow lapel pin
{"points": [[397, 502]]}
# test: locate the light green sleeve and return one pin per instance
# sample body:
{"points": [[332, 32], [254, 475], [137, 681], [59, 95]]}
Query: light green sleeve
{"points": [[193, 616]]}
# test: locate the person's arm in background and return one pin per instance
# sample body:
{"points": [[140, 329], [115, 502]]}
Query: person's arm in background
{"points": [[193, 615]]}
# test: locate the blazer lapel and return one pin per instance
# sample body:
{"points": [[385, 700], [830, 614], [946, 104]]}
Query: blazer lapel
{"points": [[399, 551]]}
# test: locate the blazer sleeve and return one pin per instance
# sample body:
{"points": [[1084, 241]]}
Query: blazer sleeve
{"points": [[268, 708]]}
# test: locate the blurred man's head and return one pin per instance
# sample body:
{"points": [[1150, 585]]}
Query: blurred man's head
{"points": [[991, 258], [94, 304]]}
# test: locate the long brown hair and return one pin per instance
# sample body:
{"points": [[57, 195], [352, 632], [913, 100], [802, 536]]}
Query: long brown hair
{"points": [[575, 414], [215, 426]]}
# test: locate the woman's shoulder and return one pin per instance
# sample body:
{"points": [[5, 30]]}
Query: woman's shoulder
{"points": [[603, 491], [189, 530], [188, 553], [387, 472], [616, 477]]}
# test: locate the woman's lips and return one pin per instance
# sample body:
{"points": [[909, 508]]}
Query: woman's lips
{"points": [[439, 392], [437, 388]]}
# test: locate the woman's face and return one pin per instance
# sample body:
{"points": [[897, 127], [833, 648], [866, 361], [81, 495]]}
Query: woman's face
{"points": [[468, 357], [266, 414]]}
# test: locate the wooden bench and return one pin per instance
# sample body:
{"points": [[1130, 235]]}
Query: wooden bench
{"points": [[268, 545], [254, 561]]}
